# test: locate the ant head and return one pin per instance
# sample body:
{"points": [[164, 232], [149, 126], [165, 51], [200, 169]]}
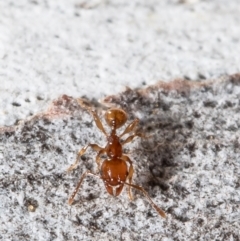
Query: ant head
{"points": [[115, 118]]}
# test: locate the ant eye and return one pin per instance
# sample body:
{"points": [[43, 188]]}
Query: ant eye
{"points": [[116, 117]]}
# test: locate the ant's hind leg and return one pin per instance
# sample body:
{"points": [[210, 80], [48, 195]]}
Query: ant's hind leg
{"points": [[95, 147], [159, 210], [130, 175], [70, 201]]}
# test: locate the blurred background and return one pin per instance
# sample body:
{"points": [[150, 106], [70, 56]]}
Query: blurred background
{"points": [[96, 48]]}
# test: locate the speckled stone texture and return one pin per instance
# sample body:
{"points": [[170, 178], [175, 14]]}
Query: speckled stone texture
{"points": [[190, 167], [52, 52]]}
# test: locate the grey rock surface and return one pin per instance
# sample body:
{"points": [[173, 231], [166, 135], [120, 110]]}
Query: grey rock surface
{"points": [[93, 49], [190, 166]]}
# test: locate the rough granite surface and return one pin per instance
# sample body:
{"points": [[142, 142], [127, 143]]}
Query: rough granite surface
{"points": [[52, 52], [190, 167]]}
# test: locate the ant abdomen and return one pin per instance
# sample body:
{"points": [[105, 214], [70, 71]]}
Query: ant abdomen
{"points": [[114, 171]]}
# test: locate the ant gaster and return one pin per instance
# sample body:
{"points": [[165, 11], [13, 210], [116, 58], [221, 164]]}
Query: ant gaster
{"points": [[117, 169]]}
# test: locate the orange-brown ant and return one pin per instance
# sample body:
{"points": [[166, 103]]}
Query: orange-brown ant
{"points": [[114, 171]]}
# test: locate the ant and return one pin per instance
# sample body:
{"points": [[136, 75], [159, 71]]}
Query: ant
{"points": [[114, 171]]}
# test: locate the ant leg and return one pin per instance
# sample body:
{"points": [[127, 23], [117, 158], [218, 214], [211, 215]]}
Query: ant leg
{"points": [[130, 174], [95, 116], [70, 200], [98, 158], [130, 127], [159, 210], [95, 147], [98, 121], [130, 138]]}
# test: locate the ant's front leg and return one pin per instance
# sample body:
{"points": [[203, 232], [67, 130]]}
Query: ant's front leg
{"points": [[130, 138], [95, 147], [95, 117], [130, 127]]}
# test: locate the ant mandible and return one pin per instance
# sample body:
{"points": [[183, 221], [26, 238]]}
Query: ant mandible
{"points": [[114, 171]]}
